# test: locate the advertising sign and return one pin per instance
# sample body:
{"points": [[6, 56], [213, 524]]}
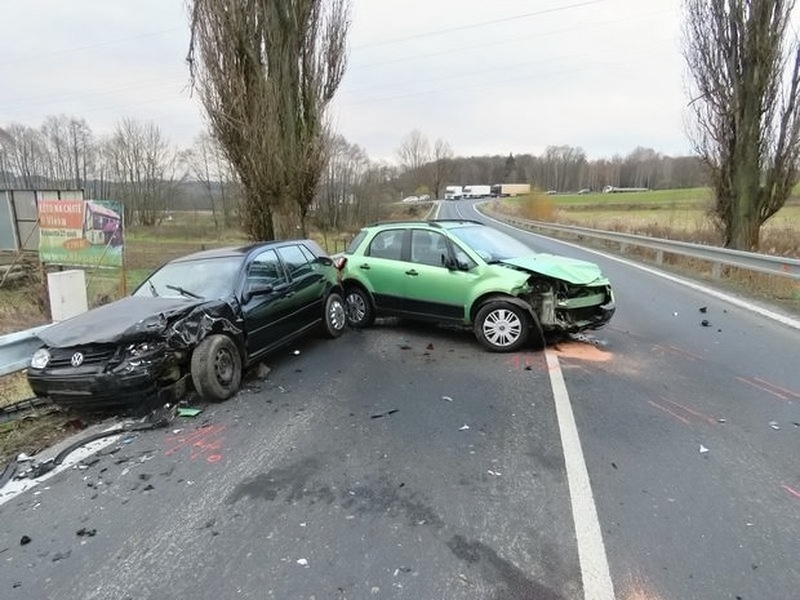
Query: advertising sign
{"points": [[80, 233]]}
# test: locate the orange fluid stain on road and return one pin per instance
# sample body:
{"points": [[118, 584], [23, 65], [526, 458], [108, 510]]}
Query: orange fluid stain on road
{"points": [[582, 351]]}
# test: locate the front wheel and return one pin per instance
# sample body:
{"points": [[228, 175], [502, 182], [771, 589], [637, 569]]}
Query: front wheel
{"points": [[334, 320], [502, 326], [360, 313], [216, 368]]}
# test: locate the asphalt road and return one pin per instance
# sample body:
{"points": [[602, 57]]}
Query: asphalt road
{"points": [[405, 462]]}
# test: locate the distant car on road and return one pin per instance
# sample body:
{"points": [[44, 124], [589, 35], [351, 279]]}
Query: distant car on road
{"points": [[466, 273], [195, 322]]}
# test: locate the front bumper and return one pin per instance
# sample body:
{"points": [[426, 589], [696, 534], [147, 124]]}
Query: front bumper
{"points": [[130, 390]]}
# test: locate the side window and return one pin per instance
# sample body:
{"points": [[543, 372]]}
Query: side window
{"points": [[265, 269], [387, 244], [428, 247], [462, 259], [296, 263]]}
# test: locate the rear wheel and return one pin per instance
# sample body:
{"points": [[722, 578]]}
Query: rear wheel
{"points": [[334, 320], [502, 326], [216, 368], [360, 313]]}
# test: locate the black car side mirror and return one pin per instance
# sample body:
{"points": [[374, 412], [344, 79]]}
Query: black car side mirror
{"points": [[257, 289]]}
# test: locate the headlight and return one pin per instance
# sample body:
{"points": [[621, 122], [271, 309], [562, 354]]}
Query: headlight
{"points": [[137, 354], [40, 358]]}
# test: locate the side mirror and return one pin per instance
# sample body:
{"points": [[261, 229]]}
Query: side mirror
{"points": [[257, 289]]}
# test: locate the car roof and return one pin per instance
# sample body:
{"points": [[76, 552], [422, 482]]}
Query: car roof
{"points": [[437, 223], [229, 251]]}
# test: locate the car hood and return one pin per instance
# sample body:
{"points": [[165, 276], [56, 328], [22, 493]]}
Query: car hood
{"points": [[572, 270], [134, 317]]}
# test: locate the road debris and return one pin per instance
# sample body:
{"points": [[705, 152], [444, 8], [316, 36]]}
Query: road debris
{"points": [[705, 323], [494, 473], [703, 449], [774, 425], [384, 414], [464, 427], [447, 398], [703, 309], [303, 562], [84, 532], [189, 411], [24, 540]]}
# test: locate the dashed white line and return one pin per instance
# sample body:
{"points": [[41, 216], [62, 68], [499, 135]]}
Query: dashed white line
{"points": [[596, 576]]}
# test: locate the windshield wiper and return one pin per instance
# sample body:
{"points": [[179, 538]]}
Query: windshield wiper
{"points": [[183, 292], [152, 288]]}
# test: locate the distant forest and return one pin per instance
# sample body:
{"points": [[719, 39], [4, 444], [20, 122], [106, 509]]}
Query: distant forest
{"points": [[137, 165]]}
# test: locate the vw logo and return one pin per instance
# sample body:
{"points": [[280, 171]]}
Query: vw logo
{"points": [[77, 359]]}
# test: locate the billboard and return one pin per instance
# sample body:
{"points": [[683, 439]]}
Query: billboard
{"points": [[81, 233]]}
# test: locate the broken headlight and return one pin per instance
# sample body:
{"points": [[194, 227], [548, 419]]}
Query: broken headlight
{"points": [[40, 358], [136, 354]]}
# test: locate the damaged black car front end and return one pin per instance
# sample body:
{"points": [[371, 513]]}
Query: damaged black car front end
{"points": [[195, 323], [91, 363]]}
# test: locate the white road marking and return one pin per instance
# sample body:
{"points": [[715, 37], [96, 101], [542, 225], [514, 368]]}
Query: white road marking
{"points": [[15, 487], [596, 576]]}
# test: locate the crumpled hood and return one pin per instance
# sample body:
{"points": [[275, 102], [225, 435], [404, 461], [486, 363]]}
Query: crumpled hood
{"points": [[573, 270], [133, 316]]}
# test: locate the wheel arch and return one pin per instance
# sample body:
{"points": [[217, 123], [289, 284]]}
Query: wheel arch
{"points": [[500, 297]]}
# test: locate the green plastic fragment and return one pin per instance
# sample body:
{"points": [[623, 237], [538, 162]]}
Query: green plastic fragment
{"points": [[187, 411]]}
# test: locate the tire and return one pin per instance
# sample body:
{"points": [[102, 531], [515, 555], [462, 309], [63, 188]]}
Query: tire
{"points": [[335, 318], [502, 326], [358, 305], [216, 368]]}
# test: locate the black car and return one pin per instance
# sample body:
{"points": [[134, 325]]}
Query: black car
{"points": [[196, 321]]}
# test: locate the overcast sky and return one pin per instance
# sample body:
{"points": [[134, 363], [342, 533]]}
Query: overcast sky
{"points": [[488, 77]]}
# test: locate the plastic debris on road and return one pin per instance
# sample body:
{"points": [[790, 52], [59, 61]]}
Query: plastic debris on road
{"points": [[447, 398], [188, 411], [303, 562], [774, 425], [703, 449], [463, 427]]}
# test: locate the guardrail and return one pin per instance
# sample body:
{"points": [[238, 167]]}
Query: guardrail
{"points": [[751, 261], [16, 349]]}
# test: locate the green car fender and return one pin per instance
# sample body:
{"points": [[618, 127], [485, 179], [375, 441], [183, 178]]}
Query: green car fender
{"points": [[508, 286]]}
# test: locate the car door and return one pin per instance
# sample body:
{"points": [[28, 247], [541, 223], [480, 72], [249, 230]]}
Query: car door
{"points": [[432, 290], [266, 312], [382, 269], [307, 288]]}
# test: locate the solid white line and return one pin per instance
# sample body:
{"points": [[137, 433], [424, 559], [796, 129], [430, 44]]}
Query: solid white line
{"points": [[596, 576]]}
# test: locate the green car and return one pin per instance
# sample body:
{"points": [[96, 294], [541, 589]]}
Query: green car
{"points": [[464, 272]]}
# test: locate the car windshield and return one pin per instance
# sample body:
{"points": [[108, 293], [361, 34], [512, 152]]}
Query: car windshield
{"points": [[204, 278], [490, 244]]}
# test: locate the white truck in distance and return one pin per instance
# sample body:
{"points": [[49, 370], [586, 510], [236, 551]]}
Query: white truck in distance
{"points": [[477, 191], [453, 192]]}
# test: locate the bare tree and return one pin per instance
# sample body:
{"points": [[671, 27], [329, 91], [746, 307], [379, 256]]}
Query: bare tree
{"points": [[442, 167], [144, 167], [746, 109], [208, 166], [266, 71], [415, 151]]}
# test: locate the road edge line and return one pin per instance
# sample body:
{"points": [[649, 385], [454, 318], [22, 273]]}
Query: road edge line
{"points": [[595, 573]]}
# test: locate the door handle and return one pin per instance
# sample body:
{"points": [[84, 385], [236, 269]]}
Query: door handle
{"points": [[412, 272], [365, 266]]}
